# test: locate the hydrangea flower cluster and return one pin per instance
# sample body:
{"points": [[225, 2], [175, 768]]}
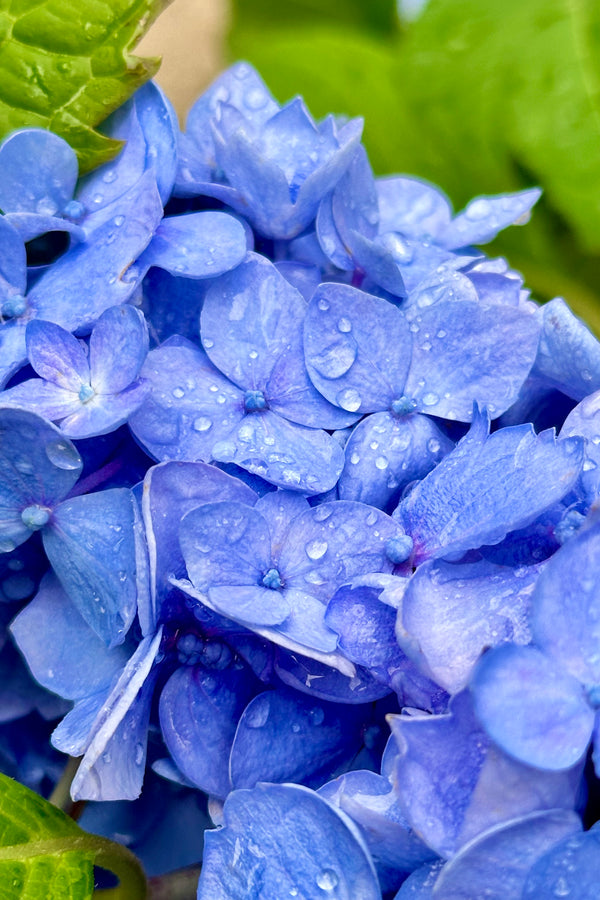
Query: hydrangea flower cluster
{"points": [[298, 509]]}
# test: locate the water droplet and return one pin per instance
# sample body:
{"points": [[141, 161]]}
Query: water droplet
{"points": [[344, 325], [426, 345], [202, 423], [109, 176], [371, 518], [24, 466], [355, 458], [316, 549], [321, 513], [430, 399], [327, 880], [295, 728], [323, 304], [178, 393], [258, 712], [382, 462], [317, 715], [208, 344], [118, 221], [349, 399], [256, 99], [139, 754], [253, 354], [433, 445], [478, 209], [63, 455]]}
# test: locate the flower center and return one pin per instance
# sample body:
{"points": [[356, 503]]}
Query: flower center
{"points": [[402, 406], [13, 307], [255, 401], [35, 517], [272, 579], [86, 392]]}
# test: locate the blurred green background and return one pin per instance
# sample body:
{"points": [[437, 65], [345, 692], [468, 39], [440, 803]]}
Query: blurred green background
{"points": [[479, 96]]}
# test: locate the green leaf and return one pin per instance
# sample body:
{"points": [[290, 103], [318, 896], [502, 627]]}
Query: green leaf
{"points": [[45, 855], [66, 65], [374, 15], [480, 97]]}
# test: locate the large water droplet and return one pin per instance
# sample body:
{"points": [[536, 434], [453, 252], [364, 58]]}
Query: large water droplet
{"points": [[344, 325], [430, 399], [316, 549], [349, 399], [327, 880], [202, 423], [478, 209], [63, 455]]}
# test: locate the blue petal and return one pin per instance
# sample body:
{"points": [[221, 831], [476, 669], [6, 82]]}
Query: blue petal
{"points": [[225, 543], [534, 711], [329, 237], [373, 805], [91, 545], [566, 606], [196, 245], [13, 349], [484, 217], [357, 347], [71, 734], [569, 869], [420, 884], [31, 225], [455, 611], [118, 348], [318, 678], [57, 356], [488, 486], [496, 864], [412, 206], [13, 258], [62, 294], [304, 846], [465, 353], [385, 453], [62, 652], [199, 713], [37, 466], [43, 398], [191, 406], [569, 355], [170, 491], [39, 172], [288, 455], [286, 736], [113, 765], [104, 412], [250, 318]]}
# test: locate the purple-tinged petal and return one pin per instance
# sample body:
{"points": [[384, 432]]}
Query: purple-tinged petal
{"points": [[105, 412], [43, 398], [191, 407], [569, 355], [306, 847], [569, 869], [112, 767], [279, 509], [329, 237], [288, 455], [199, 712], [61, 650], [305, 624], [171, 490], [318, 678], [90, 542], [286, 736], [385, 453], [487, 487], [453, 783], [250, 318], [334, 542], [31, 225], [62, 294], [484, 217], [118, 348], [13, 349], [13, 258], [584, 421], [251, 605], [412, 206], [225, 543], [196, 245], [465, 353], [71, 734], [39, 172], [534, 711], [57, 356], [495, 865], [371, 803], [565, 608], [38, 467], [455, 611], [420, 884], [357, 348], [304, 277]]}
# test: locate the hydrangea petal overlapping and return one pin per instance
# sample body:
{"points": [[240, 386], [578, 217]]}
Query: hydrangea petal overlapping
{"points": [[298, 509]]}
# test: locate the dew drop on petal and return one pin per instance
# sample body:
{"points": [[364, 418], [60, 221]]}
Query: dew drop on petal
{"points": [[344, 325], [63, 455], [316, 715], [139, 754], [349, 399], [316, 549], [382, 462], [323, 304], [258, 713], [430, 399], [327, 880], [202, 423]]}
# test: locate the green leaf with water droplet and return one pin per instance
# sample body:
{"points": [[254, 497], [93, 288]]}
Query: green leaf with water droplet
{"points": [[67, 64], [45, 855]]}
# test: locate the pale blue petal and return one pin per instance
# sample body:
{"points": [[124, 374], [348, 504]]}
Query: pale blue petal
{"points": [[569, 355], [71, 735], [534, 711], [487, 487], [13, 349], [91, 545], [13, 258], [32, 225], [43, 398], [569, 869], [496, 864], [61, 650], [412, 206], [484, 217], [197, 245], [118, 348], [357, 347], [318, 678], [105, 412], [57, 356], [39, 172], [465, 353], [305, 846]]}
